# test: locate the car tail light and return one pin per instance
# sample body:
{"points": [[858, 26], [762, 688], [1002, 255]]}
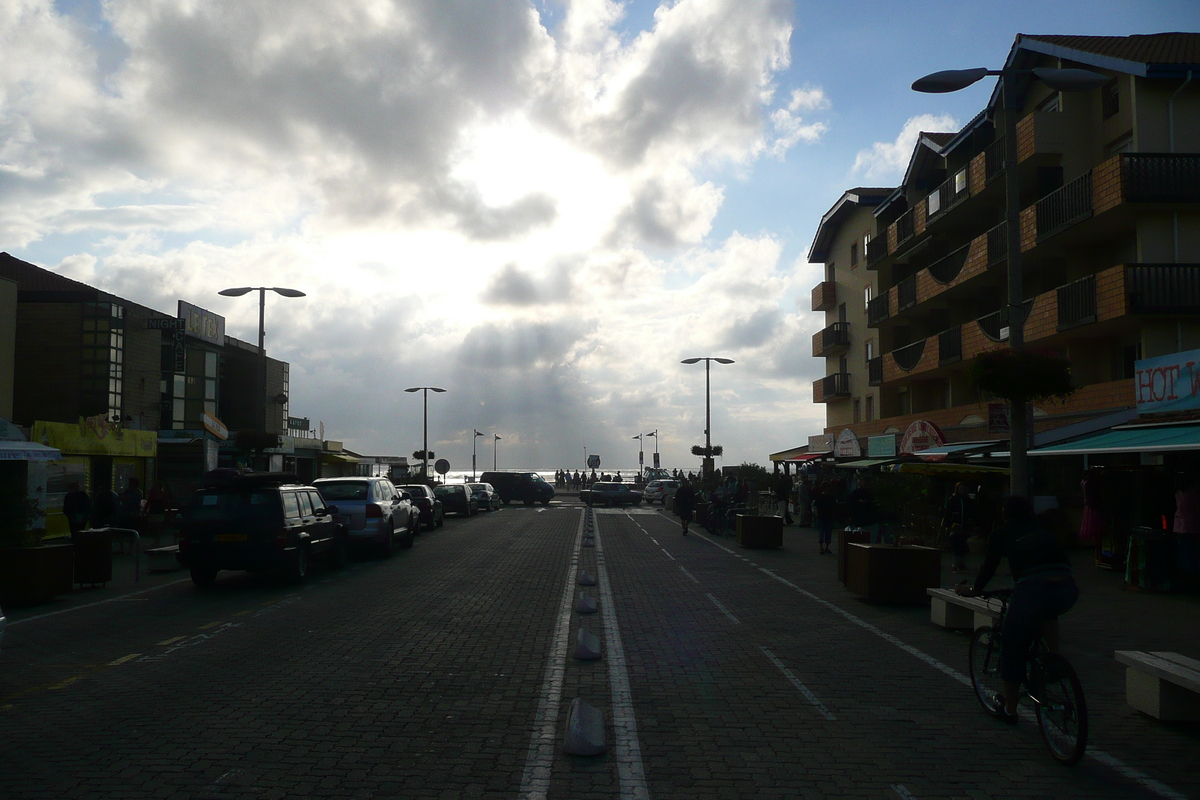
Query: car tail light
{"points": [[374, 511]]}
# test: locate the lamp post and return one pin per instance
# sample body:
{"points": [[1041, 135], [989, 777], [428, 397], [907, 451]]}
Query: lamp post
{"points": [[641, 459], [495, 448], [473, 442], [425, 426], [261, 381], [707, 404], [654, 433], [1063, 80]]}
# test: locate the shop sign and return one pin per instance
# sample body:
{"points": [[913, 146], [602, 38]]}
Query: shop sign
{"points": [[95, 436], [298, 423], [881, 446], [164, 324], [1167, 383], [999, 418], [201, 323], [847, 445], [921, 435], [10, 432], [821, 443], [214, 426]]}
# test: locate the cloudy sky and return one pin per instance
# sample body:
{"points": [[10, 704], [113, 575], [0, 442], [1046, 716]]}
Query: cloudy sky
{"points": [[540, 205]]}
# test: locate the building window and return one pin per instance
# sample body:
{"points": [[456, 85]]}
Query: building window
{"points": [[103, 360], [870, 349], [287, 393], [1110, 99], [870, 407], [842, 312], [960, 181], [853, 255], [830, 271], [1122, 144], [933, 203], [857, 410], [1051, 103], [868, 296]]}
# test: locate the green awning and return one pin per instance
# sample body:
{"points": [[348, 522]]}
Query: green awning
{"points": [[866, 462], [1129, 440]]}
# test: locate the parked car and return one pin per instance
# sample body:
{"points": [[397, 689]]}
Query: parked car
{"points": [[526, 487], [432, 514], [375, 513], [3, 623], [458, 499], [610, 494], [258, 522], [660, 491], [486, 494]]}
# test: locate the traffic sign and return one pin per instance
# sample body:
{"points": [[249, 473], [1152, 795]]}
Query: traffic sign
{"points": [[593, 461], [441, 466]]}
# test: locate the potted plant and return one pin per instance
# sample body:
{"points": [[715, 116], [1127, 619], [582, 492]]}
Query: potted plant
{"points": [[1022, 375], [898, 572], [30, 572], [755, 529]]}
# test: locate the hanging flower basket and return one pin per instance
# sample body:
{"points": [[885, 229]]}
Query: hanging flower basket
{"points": [[1022, 375], [699, 450]]}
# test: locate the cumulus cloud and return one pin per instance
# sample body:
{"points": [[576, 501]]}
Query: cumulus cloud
{"points": [[886, 161]]}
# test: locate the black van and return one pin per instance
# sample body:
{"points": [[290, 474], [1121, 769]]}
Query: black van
{"points": [[526, 487]]}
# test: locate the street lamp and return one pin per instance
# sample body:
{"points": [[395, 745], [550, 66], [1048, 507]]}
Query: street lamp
{"points": [[654, 433], [473, 438], [495, 447], [425, 425], [641, 459], [707, 405], [1063, 80], [261, 382]]}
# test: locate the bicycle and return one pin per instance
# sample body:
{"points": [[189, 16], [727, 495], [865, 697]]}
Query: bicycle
{"points": [[1051, 684], [723, 521]]}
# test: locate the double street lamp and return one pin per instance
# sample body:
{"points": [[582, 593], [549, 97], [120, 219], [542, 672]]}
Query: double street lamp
{"points": [[641, 460], [707, 404], [1063, 80], [425, 425], [261, 382], [473, 442], [495, 448]]}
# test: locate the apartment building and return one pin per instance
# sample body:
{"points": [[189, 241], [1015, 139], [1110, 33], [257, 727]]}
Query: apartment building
{"points": [[1109, 183]]}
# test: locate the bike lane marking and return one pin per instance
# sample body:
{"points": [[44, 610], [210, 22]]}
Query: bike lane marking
{"points": [[1117, 765], [630, 771], [804, 690], [723, 609], [539, 760]]}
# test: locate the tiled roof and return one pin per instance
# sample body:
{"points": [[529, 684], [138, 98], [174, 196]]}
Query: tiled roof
{"points": [[939, 139], [1154, 48]]}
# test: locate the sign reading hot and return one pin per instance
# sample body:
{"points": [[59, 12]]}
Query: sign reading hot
{"points": [[1168, 383]]}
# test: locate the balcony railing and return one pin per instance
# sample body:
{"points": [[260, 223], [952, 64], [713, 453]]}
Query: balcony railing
{"points": [[1163, 288], [1077, 303], [831, 386], [906, 293], [946, 269], [995, 325], [997, 244], [1064, 207], [875, 371], [876, 249], [907, 357], [824, 296], [904, 227], [1161, 177], [952, 192], [993, 159], [950, 345], [831, 339], [877, 309]]}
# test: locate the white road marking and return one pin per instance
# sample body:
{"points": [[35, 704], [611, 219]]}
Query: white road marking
{"points": [[690, 575], [630, 772], [97, 603], [724, 610], [535, 780], [1132, 773], [905, 793], [804, 690], [668, 555]]}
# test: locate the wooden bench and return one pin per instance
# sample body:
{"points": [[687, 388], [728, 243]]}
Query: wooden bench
{"points": [[162, 559], [951, 610], [1164, 685]]}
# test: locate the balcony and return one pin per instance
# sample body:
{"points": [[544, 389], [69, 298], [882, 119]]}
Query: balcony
{"points": [[905, 228], [875, 371], [1163, 288], [907, 357], [832, 340], [878, 309], [1077, 303], [1064, 207], [906, 293], [997, 244], [1041, 133], [824, 296], [831, 387], [877, 249], [947, 196], [1160, 177], [993, 159], [947, 269], [950, 346]]}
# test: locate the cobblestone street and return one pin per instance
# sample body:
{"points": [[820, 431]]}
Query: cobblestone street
{"points": [[446, 671]]}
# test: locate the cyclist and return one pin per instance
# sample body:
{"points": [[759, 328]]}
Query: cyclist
{"points": [[1043, 589]]}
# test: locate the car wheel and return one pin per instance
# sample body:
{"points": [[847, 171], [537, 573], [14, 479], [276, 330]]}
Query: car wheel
{"points": [[204, 577], [406, 541], [387, 545], [415, 524], [441, 518], [545, 502], [297, 569]]}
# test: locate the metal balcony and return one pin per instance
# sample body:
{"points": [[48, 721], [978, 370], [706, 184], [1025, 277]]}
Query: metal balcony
{"points": [[875, 371], [1064, 207], [946, 269], [877, 249], [908, 356], [878, 309], [1161, 177], [832, 340], [1163, 288], [950, 346], [1077, 303], [906, 293], [831, 387]]}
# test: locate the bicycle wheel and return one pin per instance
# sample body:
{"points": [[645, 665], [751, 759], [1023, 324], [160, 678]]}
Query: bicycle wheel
{"points": [[1061, 708], [984, 662]]}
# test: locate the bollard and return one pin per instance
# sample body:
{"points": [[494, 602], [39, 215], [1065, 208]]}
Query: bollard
{"points": [[586, 605], [587, 646], [585, 730], [586, 578]]}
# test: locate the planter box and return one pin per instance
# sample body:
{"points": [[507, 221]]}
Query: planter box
{"points": [[759, 532], [93, 556], [885, 573], [845, 539], [32, 575]]}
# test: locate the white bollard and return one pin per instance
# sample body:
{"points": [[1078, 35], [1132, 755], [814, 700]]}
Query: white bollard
{"points": [[585, 730]]}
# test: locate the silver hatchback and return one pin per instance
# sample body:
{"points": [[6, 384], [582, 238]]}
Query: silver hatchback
{"points": [[376, 515]]}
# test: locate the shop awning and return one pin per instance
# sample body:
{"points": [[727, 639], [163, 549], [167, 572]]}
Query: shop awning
{"points": [[28, 451], [865, 463], [949, 469], [1129, 440], [338, 458], [805, 457], [962, 449]]}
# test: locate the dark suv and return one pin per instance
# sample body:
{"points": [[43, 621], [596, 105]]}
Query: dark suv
{"points": [[526, 487], [258, 522], [432, 514]]}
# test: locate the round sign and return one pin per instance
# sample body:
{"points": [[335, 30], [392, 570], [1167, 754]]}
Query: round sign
{"points": [[441, 466], [921, 435], [593, 461]]}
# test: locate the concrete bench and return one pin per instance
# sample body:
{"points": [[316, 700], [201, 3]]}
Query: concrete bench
{"points": [[1164, 685], [950, 610], [162, 559]]}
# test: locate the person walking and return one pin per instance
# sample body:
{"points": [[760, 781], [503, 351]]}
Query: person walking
{"points": [[77, 507], [804, 500], [129, 506], [824, 508], [104, 507], [957, 517], [685, 502]]}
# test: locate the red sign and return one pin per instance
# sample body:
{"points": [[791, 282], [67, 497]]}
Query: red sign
{"points": [[921, 435]]}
